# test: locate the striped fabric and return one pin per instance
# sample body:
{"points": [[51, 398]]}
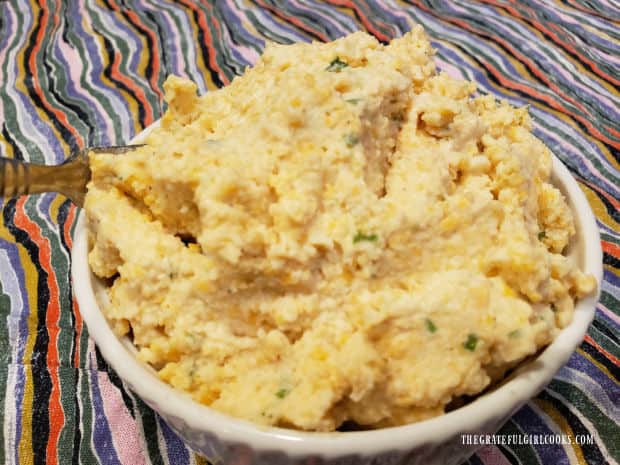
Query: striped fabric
{"points": [[83, 72]]}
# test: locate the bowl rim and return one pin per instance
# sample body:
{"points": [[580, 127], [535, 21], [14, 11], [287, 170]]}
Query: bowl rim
{"points": [[469, 419]]}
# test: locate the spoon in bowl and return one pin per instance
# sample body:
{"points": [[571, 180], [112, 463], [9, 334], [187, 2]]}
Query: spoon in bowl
{"points": [[69, 178]]}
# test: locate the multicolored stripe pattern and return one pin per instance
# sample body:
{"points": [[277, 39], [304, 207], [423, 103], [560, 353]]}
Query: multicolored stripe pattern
{"points": [[91, 72]]}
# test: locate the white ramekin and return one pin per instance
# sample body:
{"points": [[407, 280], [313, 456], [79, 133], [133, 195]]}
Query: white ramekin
{"points": [[226, 440]]}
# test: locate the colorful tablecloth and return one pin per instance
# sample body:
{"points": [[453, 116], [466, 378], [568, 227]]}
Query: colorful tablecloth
{"points": [[81, 72]]}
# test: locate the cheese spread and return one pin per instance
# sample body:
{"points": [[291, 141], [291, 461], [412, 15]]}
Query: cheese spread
{"points": [[342, 234]]}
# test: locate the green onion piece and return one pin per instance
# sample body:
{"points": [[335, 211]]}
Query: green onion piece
{"points": [[351, 139], [336, 65], [471, 342], [542, 235], [192, 371], [282, 393], [353, 101], [514, 333], [360, 236], [430, 326]]}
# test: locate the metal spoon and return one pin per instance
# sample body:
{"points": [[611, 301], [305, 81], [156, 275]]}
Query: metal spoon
{"points": [[69, 178]]}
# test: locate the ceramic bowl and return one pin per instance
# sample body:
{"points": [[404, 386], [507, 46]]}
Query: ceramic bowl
{"points": [[226, 440]]}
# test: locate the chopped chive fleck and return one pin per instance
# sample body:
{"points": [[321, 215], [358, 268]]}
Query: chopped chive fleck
{"points": [[471, 342], [430, 326], [351, 139], [514, 333], [554, 308], [192, 371], [360, 236], [353, 101], [336, 65], [542, 235], [282, 393]]}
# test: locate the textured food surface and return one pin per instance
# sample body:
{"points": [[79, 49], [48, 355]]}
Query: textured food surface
{"points": [[341, 234]]}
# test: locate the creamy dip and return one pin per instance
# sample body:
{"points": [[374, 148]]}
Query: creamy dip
{"points": [[341, 234]]}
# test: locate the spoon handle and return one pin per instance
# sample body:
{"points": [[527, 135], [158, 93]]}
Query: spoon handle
{"points": [[21, 178], [69, 178]]}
